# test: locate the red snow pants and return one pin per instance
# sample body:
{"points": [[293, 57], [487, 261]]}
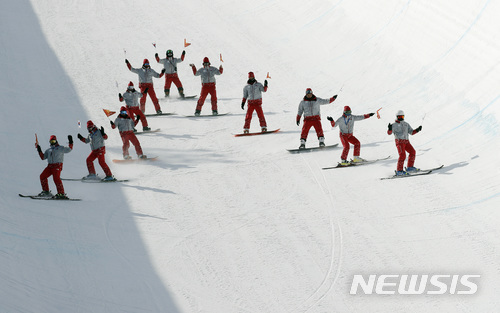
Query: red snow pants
{"points": [[404, 146], [311, 121], [346, 139], [254, 105], [53, 169], [127, 138], [133, 111], [207, 88], [152, 95], [172, 78], [99, 155]]}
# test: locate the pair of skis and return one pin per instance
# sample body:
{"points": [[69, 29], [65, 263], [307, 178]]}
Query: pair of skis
{"points": [[412, 174], [355, 163], [36, 197]]}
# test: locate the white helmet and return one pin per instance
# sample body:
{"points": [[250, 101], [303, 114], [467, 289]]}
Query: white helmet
{"points": [[400, 112]]}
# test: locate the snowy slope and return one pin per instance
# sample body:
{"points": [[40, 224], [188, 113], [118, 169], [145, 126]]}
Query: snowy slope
{"points": [[225, 224]]}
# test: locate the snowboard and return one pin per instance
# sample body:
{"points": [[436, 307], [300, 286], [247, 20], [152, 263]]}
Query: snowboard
{"points": [[135, 160], [158, 114], [355, 164], [220, 114], [312, 149], [147, 131], [47, 198], [187, 97], [258, 133], [95, 180], [179, 98], [419, 173]]}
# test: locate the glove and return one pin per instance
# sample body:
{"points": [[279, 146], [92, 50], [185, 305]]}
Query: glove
{"points": [[298, 122], [137, 118], [80, 136], [38, 149], [334, 97], [126, 61], [389, 127], [102, 131], [111, 122], [329, 118], [183, 52], [371, 114], [156, 55], [146, 90], [242, 105], [419, 128], [70, 139], [265, 83], [120, 95], [163, 71]]}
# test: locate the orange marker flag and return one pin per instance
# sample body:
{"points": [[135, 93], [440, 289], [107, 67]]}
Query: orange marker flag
{"points": [[186, 43], [108, 112], [378, 115], [268, 75], [221, 58]]}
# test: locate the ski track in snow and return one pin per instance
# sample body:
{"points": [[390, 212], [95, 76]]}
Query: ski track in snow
{"points": [[333, 271], [220, 224]]}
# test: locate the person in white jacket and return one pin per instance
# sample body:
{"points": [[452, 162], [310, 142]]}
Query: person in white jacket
{"points": [[346, 126], [125, 126], [207, 74], [309, 106], [55, 157], [401, 131], [170, 66], [146, 74], [253, 93]]}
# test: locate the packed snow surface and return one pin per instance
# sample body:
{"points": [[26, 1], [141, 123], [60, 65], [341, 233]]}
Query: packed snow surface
{"points": [[226, 224]]}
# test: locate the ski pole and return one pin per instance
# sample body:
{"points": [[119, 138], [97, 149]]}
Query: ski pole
{"points": [[423, 118]]}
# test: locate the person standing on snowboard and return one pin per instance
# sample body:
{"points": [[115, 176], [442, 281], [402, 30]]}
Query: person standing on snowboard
{"points": [[401, 131], [146, 74], [253, 93], [96, 139], [170, 66], [207, 74], [310, 107], [346, 126], [126, 127], [55, 157], [131, 98]]}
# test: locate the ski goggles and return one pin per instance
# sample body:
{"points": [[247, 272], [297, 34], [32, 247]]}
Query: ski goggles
{"points": [[53, 141], [308, 91], [130, 87], [146, 64], [347, 112], [123, 112], [400, 117]]}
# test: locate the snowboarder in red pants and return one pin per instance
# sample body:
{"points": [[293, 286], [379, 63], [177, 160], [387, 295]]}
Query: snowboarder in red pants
{"points": [[401, 131], [346, 126], [207, 74], [126, 127], [170, 66], [96, 139], [146, 74], [310, 107], [253, 93], [131, 98], [55, 157]]}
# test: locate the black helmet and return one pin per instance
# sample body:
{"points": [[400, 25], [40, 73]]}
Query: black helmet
{"points": [[170, 53]]}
